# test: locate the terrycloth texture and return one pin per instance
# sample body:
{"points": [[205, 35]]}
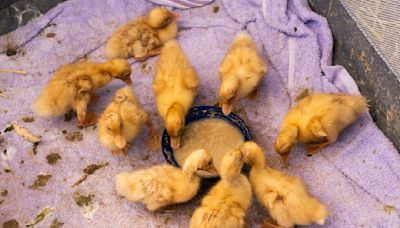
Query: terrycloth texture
{"points": [[358, 177], [182, 4]]}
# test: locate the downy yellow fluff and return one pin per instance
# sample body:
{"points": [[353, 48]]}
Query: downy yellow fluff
{"points": [[317, 121], [73, 85], [162, 185], [241, 72], [227, 202], [122, 121], [143, 36], [285, 196], [175, 87]]}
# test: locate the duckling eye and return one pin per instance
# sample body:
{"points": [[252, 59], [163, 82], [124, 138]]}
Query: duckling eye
{"points": [[108, 129], [167, 20], [209, 162]]}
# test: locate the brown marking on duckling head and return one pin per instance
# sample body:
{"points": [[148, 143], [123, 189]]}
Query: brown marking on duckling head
{"points": [[120, 69]]}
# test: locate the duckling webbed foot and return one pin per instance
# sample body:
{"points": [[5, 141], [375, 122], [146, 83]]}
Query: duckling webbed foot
{"points": [[153, 139], [154, 52], [90, 120], [120, 151], [269, 223], [314, 148], [151, 53]]}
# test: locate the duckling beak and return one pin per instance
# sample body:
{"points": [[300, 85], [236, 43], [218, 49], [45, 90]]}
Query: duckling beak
{"points": [[226, 108], [175, 142], [211, 169], [81, 118], [175, 16], [120, 141], [128, 81]]}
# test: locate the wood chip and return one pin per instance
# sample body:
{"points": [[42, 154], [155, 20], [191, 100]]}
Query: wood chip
{"points": [[3, 94], [25, 133], [28, 119], [22, 72], [80, 180], [93, 167], [42, 214], [50, 34]]}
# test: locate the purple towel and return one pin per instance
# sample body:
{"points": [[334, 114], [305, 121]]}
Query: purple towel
{"points": [[358, 177]]}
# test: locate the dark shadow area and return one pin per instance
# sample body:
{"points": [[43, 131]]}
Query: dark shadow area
{"points": [[16, 13]]}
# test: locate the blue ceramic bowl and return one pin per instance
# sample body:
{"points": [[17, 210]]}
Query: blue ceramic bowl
{"points": [[199, 113]]}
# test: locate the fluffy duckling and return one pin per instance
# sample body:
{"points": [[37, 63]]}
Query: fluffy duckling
{"points": [[227, 202], [162, 185], [144, 36], [240, 72], [285, 197], [175, 87], [73, 85], [317, 121], [122, 121]]}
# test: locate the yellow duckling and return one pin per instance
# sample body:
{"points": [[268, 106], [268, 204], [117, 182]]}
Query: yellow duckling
{"points": [[73, 85], [162, 185], [175, 87], [227, 202], [241, 72], [144, 36], [285, 197], [122, 121], [317, 121]]}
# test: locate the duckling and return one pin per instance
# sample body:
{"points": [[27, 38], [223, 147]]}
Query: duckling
{"points": [[144, 36], [285, 196], [241, 72], [74, 85], [162, 185], [317, 121], [122, 121], [175, 87], [227, 202]]}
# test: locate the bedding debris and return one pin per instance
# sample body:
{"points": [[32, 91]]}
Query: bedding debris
{"points": [[42, 214], [74, 136], [11, 224], [21, 72], [56, 224], [41, 180], [86, 203], [89, 170], [52, 158], [25, 133], [28, 119]]}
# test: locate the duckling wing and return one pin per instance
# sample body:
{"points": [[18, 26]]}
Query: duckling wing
{"points": [[140, 40], [133, 114]]}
